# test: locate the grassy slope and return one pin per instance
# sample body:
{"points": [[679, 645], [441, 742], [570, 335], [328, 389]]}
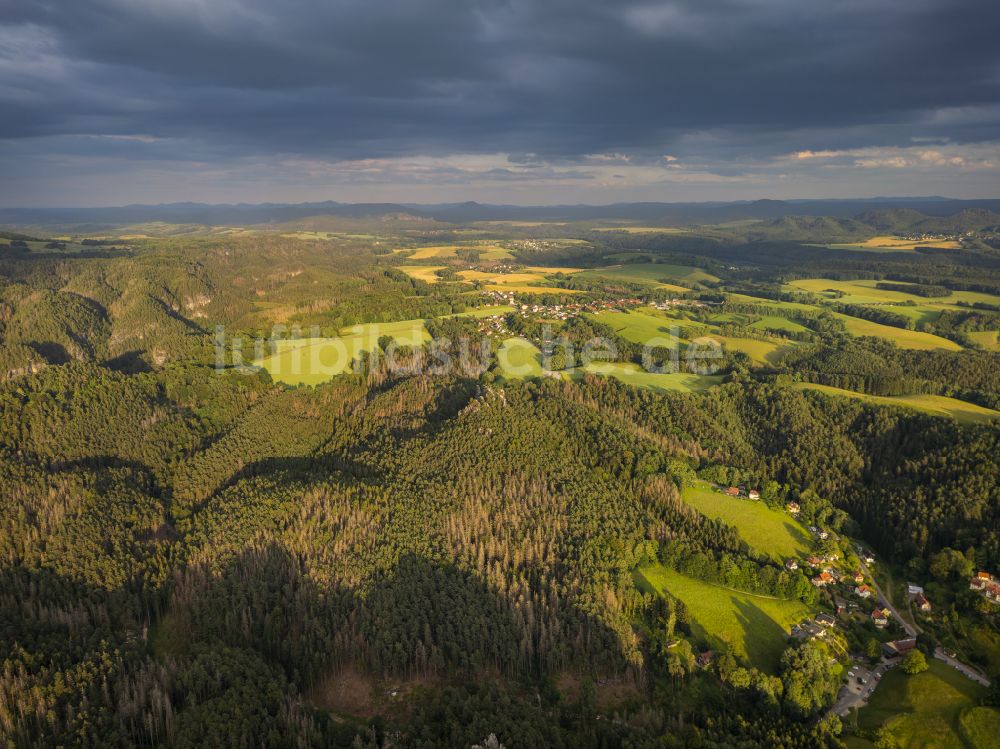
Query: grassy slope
{"points": [[519, 358], [773, 322], [937, 405], [644, 326], [910, 339], [633, 374], [652, 273], [311, 361], [422, 272], [487, 251], [639, 327], [754, 626], [988, 339], [771, 532], [760, 352], [925, 710]]}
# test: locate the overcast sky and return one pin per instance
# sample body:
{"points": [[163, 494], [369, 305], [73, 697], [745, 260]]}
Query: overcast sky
{"points": [[107, 102]]}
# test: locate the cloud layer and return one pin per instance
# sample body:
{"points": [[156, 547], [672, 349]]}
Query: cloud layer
{"points": [[108, 101]]}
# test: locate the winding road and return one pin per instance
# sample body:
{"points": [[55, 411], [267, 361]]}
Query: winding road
{"points": [[913, 631]]}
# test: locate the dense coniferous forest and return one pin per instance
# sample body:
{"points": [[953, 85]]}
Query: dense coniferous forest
{"points": [[204, 555]]}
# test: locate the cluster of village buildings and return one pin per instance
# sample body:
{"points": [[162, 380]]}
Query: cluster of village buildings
{"points": [[987, 585], [826, 573], [496, 325]]}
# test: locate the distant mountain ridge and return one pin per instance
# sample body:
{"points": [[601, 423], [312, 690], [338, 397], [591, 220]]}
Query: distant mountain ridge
{"points": [[891, 212]]}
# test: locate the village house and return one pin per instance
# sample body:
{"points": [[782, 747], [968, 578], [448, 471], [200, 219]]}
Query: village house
{"points": [[823, 578], [815, 562], [980, 581], [807, 630], [731, 491], [922, 603], [898, 647], [863, 591], [704, 660], [839, 604], [992, 593], [857, 577], [753, 494], [913, 589], [791, 564], [793, 508], [823, 535], [826, 620], [880, 617]]}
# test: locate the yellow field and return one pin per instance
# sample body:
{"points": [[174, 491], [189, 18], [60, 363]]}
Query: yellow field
{"points": [[899, 243], [521, 224], [760, 352], [422, 272], [501, 279], [643, 229], [487, 251], [936, 405]]}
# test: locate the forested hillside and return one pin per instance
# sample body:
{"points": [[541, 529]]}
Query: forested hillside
{"points": [[195, 554]]}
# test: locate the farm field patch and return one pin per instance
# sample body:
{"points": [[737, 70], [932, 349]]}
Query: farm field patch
{"points": [[643, 229], [486, 251], [427, 273], [887, 243]]}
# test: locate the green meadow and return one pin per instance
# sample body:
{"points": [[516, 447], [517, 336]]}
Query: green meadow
{"points": [[780, 324], [988, 339], [640, 326], [936, 709], [662, 274], [856, 292], [761, 352], [936, 405], [519, 358], [755, 627], [312, 361], [911, 339], [769, 531], [633, 374], [477, 312]]}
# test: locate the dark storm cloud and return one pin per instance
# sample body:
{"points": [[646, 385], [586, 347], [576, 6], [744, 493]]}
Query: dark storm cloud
{"points": [[553, 79]]}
